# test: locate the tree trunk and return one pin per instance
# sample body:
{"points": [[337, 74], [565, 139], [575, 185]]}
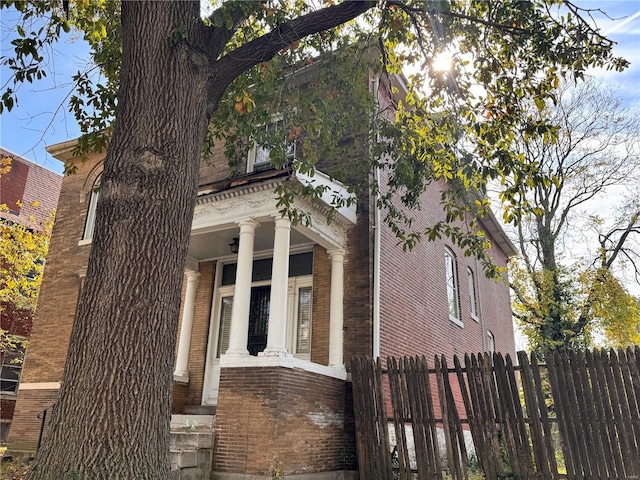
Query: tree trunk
{"points": [[122, 344]]}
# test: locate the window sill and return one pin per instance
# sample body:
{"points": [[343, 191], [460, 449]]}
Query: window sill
{"points": [[475, 317], [84, 241], [457, 321]]}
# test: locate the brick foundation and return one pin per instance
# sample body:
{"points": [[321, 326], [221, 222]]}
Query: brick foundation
{"points": [[281, 420], [25, 438]]}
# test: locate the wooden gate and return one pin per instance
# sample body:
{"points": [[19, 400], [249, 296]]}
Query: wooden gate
{"points": [[578, 416]]}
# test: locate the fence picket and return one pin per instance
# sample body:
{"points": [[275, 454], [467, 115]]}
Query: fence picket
{"points": [[595, 394]]}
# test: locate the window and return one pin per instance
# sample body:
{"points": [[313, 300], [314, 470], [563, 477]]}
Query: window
{"points": [[452, 286], [260, 156], [491, 343], [225, 325], [303, 323], [11, 368], [91, 211], [472, 294], [259, 319]]}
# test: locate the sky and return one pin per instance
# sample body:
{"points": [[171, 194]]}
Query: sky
{"points": [[41, 117]]}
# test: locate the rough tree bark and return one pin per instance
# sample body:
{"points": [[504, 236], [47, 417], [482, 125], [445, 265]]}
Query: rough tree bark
{"points": [[113, 413], [117, 382]]}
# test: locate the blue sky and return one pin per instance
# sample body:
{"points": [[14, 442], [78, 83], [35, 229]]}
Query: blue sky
{"points": [[41, 117]]}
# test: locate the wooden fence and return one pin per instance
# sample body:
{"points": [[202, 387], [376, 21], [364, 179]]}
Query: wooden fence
{"points": [[578, 416]]}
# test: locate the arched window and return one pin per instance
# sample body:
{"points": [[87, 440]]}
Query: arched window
{"points": [[91, 210], [451, 271], [473, 306], [491, 342]]}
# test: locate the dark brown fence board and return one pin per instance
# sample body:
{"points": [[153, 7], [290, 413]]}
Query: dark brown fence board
{"points": [[544, 415], [595, 396], [563, 412], [398, 404], [632, 379], [449, 434], [595, 450], [533, 412], [608, 417], [425, 437], [584, 443], [625, 426], [617, 419]]}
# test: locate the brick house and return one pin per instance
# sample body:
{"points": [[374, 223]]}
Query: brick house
{"points": [[272, 312], [24, 184]]}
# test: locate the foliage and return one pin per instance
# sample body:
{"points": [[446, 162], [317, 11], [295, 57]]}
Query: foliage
{"points": [[567, 283], [456, 126], [22, 253], [15, 469]]}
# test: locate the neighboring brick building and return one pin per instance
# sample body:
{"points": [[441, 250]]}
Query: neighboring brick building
{"points": [[271, 313], [24, 185]]}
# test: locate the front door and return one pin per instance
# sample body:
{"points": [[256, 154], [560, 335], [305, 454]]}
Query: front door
{"points": [[298, 340], [258, 319]]}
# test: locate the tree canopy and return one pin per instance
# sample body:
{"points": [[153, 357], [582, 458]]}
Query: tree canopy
{"points": [[568, 282], [164, 74], [456, 124]]}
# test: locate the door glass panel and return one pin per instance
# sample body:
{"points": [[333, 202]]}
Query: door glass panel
{"points": [[225, 325], [258, 319], [303, 329]]}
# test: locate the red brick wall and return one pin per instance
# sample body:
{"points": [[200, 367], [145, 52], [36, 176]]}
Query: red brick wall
{"points": [[7, 407], [414, 314], [28, 182], [285, 419], [358, 286]]}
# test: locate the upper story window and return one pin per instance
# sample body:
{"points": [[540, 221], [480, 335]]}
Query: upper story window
{"points": [[280, 142], [451, 272], [472, 294], [91, 210]]}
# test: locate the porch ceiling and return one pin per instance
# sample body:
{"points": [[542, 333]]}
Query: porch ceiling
{"points": [[215, 244]]}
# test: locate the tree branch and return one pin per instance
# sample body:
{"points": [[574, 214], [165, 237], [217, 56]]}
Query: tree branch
{"points": [[264, 48], [413, 10]]}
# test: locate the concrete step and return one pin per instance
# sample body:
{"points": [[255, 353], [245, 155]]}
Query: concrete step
{"points": [[191, 464], [189, 422], [191, 450], [188, 440]]}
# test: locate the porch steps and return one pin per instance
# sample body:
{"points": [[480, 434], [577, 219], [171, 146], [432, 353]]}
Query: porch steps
{"points": [[192, 438]]}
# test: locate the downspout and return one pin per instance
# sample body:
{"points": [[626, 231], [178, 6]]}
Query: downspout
{"points": [[485, 346], [376, 244]]}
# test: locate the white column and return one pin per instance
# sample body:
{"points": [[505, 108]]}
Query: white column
{"points": [[336, 335], [276, 335], [239, 331], [181, 373]]}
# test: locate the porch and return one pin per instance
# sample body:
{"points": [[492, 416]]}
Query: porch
{"points": [[266, 296]]}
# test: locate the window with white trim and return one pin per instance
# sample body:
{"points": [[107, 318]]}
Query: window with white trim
{"points": [[491, 343], [12, 360], [260, 156], [452, 286], [91, 210], [472, 294]]}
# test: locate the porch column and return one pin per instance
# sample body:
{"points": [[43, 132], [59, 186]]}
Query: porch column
{"points": [[239, 331], [181, 373], [279, 283], [336, 334]]}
